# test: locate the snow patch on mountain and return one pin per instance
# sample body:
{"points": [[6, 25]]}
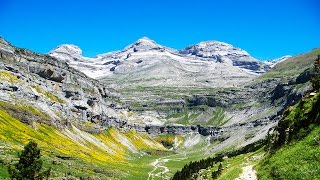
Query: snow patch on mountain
{"points": [[274, 62], [224, 52]]}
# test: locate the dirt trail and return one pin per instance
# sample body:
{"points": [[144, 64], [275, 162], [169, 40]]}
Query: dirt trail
{"points": [[248, 174], [159, 164]]}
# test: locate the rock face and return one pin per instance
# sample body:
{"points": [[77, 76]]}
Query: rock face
{"points": [[54, 88]]}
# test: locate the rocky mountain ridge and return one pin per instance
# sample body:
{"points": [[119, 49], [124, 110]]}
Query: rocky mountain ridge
{"points": [[131, 59]]}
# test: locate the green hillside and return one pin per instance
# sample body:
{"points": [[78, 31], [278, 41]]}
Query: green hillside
{"points": [[295, 144], [75, 153], [292, 66]]}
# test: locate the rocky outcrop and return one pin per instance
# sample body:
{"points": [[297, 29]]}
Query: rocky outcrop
{"points": [[224, 98], [52, 87], [289, 93], [216, 133]]}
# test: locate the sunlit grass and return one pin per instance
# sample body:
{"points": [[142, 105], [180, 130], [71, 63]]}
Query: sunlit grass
{"points": [[299, 160], [81, 149]]}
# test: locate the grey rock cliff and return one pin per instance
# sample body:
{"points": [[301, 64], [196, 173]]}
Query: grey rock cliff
{"points": [[52, 86]]}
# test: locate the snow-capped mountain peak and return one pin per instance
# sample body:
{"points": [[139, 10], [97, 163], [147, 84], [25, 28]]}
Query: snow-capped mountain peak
{"points": [[146, 58], [67, 52], [143, 44], [213, 49]]}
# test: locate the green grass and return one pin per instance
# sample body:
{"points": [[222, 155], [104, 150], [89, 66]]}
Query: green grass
{"points": [[295, 145], [88, 90], [74, 167], [177, 115], [218, 117], [9, 77], [233, 173], [199, 115], [86, 159], [232, 166], [298, 160], [298, 114], [185, 117], [3, 171], [23, 109]]}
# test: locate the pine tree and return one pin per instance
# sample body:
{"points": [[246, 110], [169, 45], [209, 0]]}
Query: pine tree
{"points": [[29, 165]]}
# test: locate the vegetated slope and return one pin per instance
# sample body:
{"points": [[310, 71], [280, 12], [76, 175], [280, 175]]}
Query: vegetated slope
{"points": [[292, 66], [294, 146], [108, 152], [226, 163]]}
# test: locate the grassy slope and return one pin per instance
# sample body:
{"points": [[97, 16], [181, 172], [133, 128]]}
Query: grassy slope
{"points": [[80, 154], [299, 158], [104, 154], [200, 115], [232, 167], [292, 66]]}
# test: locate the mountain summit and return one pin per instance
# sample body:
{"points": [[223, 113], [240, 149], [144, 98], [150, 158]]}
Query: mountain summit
{"points": [[67, 52], [214, 49], [143, 44]]}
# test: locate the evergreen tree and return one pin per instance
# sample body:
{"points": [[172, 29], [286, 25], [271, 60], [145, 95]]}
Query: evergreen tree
{"points": [[29, 165]]}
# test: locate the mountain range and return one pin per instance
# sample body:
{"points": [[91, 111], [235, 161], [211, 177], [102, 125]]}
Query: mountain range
{"points": [[144, 111], [147, 58]]}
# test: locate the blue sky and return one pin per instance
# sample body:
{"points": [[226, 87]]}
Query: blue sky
{"points": [[267, 29]]}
